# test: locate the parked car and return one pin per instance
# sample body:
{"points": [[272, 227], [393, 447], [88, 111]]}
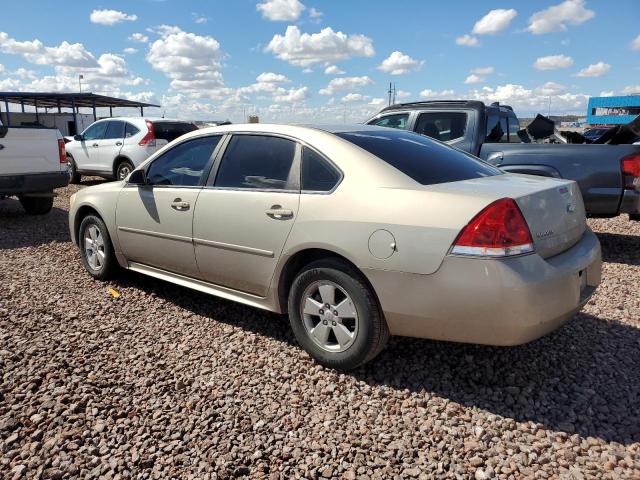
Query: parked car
{"points": [[608, 175], [357, 232], [113, 147], [33, 163], [594, 134]]}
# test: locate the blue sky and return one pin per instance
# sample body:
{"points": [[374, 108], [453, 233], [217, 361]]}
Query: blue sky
{"points": [[319, 60]]}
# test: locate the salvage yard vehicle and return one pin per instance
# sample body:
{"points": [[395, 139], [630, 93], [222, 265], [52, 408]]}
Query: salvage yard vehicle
{"points": [[357, 232], [608, 175], [113, 147], [33, 163]]}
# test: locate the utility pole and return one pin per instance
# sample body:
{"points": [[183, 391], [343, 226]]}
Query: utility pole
{"points": [[389, 93], [80, 77], [549, 111]]}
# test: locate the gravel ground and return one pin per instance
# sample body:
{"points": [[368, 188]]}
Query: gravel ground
{"points": [[164, 382]]}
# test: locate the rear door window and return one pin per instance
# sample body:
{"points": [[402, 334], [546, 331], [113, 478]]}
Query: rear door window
{"points": [[496, 129], [318, 175], [115, 130], [169, 131], [419, 157], [258, 162], [443, 126], [393, 121]]}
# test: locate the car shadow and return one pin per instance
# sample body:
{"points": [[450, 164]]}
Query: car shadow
{"points": [[583, 378], [620, 248], [17, 229]]}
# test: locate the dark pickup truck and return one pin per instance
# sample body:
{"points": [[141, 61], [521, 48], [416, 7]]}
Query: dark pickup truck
{"points": [[608, 175]]}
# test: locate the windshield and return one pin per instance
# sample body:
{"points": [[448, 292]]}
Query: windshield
{"points": [[426, 161]]}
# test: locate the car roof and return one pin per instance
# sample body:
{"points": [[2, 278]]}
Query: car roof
{"points": [[146, 119], [290, 128]]}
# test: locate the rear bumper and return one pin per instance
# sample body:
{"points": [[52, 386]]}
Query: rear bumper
{"points": [[32, 183], [630, 201], [492, 302]]}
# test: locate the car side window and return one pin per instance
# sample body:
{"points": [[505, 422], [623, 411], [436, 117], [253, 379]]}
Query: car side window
{"points": [[393, 121], [514, 127], [130, 130], [496, 129], [115, 130], [95, 131], [443, 126], [258, 162], [184, 164], [318, 175]]}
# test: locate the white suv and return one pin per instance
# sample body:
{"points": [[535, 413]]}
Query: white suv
{"points": [[113, 147]]}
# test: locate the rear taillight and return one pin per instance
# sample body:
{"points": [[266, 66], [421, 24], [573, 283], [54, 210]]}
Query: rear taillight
{"points": [[631, 172], [499, 230], [149, 140], [62, 151]]}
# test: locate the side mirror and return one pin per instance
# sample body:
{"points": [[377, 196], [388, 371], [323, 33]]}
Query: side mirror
{"points": [[78, 138], [3, 131], [137, 178]]}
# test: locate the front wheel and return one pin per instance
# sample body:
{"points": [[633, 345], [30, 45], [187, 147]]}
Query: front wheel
{"points": [[97, 251], [335, 315], [124, 169], [37, 205]]}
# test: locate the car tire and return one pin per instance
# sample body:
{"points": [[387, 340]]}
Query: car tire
{"points": [[124, 168], [74, 176], [357, 333], [37, 205], [635, 217], [96, 248]]}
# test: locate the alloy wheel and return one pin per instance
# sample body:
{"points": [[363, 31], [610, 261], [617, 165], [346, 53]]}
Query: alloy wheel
{"points": [[94, 248]]}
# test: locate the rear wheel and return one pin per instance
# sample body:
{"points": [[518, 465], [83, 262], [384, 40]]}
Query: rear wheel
{"points": [[74, 176], [335, 316], [634, 216], [97, 251], [37, 205], [125, 167]]}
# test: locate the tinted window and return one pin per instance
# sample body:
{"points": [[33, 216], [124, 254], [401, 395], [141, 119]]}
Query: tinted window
{"points": [[393, 121], [514, 127], [95, 131], [496, 129], [419, 157], [183, 165], [114, 130], [443, 126], [255, 161], [130, 130], [169, 131], [317, 174]]}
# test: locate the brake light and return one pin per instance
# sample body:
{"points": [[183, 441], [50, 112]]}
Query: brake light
{"points": [[62, 151], [499, 230], [149, 140], [631, 172]]}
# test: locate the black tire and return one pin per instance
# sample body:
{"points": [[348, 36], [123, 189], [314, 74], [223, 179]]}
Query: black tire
{"points": [[109, 264], [37, 205], [124, 168], [634, 217], [74, 176], [372, 331]]}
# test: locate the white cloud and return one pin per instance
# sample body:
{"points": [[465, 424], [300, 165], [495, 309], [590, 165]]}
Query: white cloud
{"points": [[354, 97], [550, 88], [130, 51], [199, 19], [304, 49], [473, 78], [494, 21], [528, 101], [110, 17], [557, 17], [402, 94], [345, 83], [428, 93], [164, 30], [333, 70], [1, 68], [191, 61], [139, 37], [594, 70], [553, 62], [34, 51], [631, 90], [398, 64], [607, 93], [281, 10], [270, 77], [483, 70], [635, 43], [315, 13], [467, 41], [294, 95], [376, 102]]}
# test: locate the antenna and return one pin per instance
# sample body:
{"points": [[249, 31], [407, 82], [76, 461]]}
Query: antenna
{"points": [[394, 93], [389, 93]]}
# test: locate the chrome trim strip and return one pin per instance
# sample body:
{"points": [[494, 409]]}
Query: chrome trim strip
{"points": [[178, 238], [235, 248]]}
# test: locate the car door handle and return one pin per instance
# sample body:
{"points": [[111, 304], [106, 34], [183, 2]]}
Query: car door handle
{"points": [[118, 144], [95, 145], [178, 204], [278, 213]]}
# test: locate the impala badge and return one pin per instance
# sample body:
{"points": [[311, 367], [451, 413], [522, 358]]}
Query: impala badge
{"points": [[545, 234]]}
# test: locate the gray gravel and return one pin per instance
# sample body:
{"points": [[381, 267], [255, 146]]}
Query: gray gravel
{"points": [[164, 382]]}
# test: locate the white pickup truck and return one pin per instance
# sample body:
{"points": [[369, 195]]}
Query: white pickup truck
{"points": [[33, 162]]}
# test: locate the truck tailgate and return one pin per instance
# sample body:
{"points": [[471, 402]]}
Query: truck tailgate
{"points": [[29, 151]]}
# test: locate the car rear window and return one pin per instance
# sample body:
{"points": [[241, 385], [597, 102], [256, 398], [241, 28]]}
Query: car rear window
{"points": [[426, 161], [169, 131]]}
